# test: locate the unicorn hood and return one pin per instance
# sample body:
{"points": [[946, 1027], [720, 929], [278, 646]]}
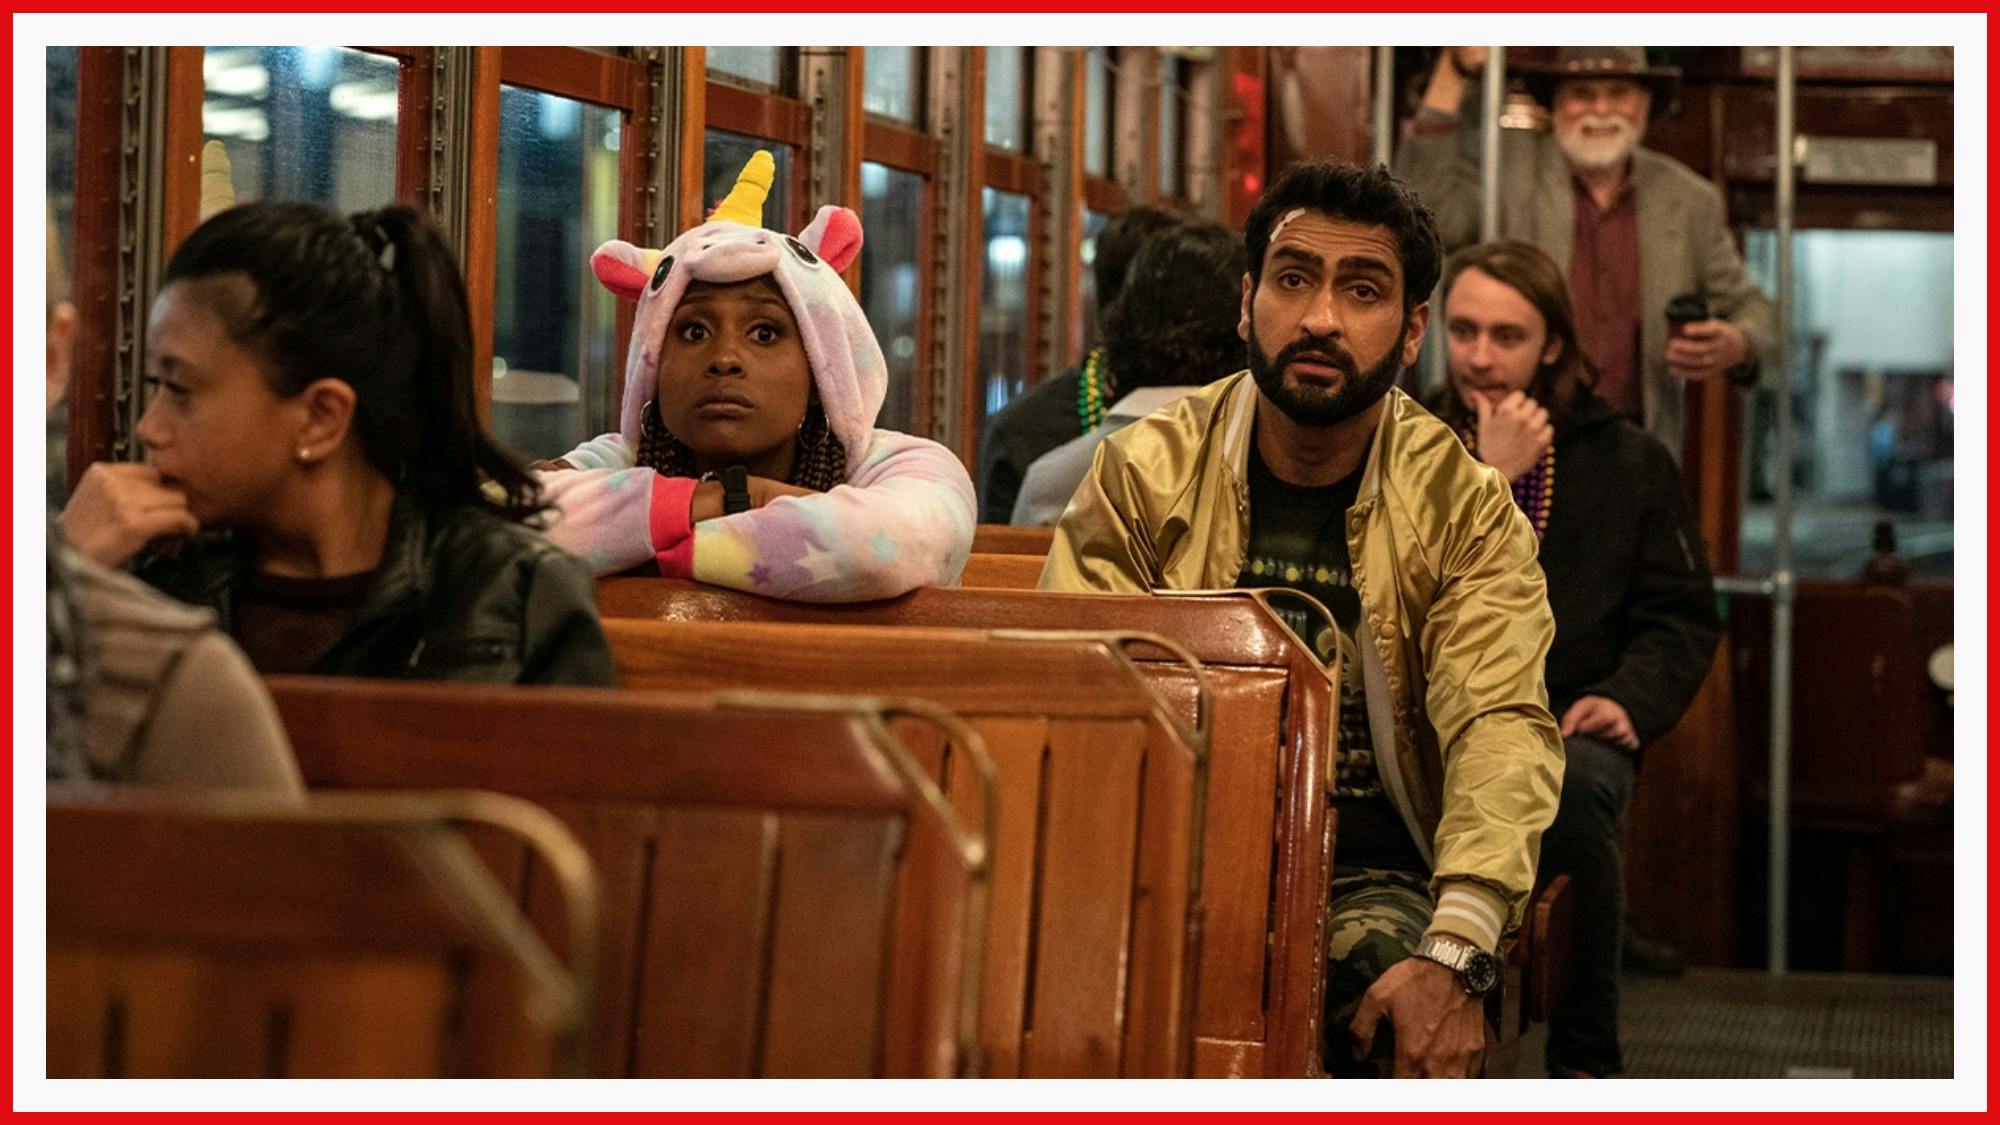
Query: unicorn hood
{"points": [[731, 246]]}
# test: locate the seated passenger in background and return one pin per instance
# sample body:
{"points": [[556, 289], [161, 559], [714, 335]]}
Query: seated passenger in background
{"points": [[1636, 626], [312, 408], [1172, 329], [145, 689], [1065, 406], [1310, 470], [747, 454]]}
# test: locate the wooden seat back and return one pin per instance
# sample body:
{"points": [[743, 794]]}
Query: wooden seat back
{"points": [[1001, 572], [1266, 836], [1856, 675], [1931, 621], [1091, 936], [786, 893], [221, 935], [1005, 539]]}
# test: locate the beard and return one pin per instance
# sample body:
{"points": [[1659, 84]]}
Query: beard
{"points": [[1316, 406], [1598, 153]]}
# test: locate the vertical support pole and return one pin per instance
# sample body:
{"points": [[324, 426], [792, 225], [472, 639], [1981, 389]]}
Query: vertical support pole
{"points": [[1784, 593], [956, 118], [1057, 145], [1384, 108], [1495, 94], [143, 219]]}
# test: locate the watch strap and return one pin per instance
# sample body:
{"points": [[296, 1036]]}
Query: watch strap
{"points": [[1449, 952], [735, 490]]}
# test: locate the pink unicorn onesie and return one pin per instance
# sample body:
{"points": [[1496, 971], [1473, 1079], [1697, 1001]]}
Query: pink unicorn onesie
{"points": [[864, 513]]}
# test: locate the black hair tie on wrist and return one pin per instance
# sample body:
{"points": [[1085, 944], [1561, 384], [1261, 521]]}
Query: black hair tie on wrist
{"points": [[735, 490]]}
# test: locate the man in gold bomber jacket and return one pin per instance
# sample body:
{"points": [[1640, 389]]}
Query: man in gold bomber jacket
{"points": [[1311, 471]]}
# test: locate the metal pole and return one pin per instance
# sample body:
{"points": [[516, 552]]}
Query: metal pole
{"points": [[1494, 94], [1385, 104], [1781, 572]]}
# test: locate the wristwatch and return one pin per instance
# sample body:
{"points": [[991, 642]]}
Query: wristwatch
{"points": [[1477, 970], [735, 490]]}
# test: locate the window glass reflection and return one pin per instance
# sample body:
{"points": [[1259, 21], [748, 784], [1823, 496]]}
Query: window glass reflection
{"points": [[304, 124], [889, 82], [555, 345], [1097, 112], [1093, 225], [1172, 95], [723, 156], [763, 66], [1004, 355], [1006, 68], [892, 209], [1873, 403]]}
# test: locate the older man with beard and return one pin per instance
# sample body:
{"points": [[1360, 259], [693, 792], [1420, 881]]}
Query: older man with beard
{"points": [[1632, 229], [1311, 471]]}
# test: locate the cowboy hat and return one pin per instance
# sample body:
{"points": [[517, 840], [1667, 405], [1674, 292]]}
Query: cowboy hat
{"points": [[1597, 63]]}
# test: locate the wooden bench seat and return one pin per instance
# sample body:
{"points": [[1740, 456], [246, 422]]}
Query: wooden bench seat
{"points": [[785, 892], [218, 935], [1091, 935], [1266, 836]]}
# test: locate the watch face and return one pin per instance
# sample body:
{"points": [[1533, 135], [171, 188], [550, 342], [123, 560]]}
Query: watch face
{"points": [[1482, 972]]}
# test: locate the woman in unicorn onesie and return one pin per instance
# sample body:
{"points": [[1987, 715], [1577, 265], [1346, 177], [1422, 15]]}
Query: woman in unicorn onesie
{"points": [[746, 454]]}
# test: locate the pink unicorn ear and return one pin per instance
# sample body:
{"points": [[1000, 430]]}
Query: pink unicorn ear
{"points": [[623, 268], [835, 235]]}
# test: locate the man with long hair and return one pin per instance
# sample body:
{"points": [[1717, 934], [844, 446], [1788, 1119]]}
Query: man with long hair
{"points": [[1636, 626]]}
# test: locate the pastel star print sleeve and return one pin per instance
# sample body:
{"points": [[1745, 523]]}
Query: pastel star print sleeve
{"points": [[601, 511], [904, 520]]}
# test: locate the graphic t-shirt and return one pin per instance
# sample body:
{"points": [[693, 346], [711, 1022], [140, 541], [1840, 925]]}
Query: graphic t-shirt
{"points": [[1298, 539]]}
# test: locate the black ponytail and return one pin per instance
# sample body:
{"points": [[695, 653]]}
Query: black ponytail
{"points": [[375, 300]]}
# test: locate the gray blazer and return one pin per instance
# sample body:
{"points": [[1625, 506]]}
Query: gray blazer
{"points": [[1684, 240]]}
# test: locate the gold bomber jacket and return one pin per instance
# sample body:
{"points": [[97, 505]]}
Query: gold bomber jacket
{"points": [[1455, 612]]}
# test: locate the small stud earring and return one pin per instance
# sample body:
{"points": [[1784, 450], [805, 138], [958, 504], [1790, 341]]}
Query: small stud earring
{"points": [[305, 456]]}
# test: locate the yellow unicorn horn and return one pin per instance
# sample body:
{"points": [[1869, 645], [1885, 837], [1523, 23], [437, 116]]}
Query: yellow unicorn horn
{"points": [[745, 204]]}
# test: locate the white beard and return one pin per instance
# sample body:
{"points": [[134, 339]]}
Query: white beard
{"points": [[1601, 152]]}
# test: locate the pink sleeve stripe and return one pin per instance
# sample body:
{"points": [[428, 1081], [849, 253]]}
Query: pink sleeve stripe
{"points": [[672, 529]]}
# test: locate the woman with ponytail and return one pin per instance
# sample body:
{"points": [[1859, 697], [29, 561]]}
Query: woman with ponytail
{"points": [[316, 470]]}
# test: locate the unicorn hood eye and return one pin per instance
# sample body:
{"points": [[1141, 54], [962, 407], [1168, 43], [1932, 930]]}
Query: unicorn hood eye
{"points": [[732, 245]]}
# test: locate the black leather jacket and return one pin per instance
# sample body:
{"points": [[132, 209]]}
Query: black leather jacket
{"points": [[463, 595]]}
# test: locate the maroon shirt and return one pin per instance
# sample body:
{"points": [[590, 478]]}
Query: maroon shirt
{"points": [[286, 625], [1604, 288]]}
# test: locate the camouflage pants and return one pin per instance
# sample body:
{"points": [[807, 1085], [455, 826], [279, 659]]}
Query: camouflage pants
{"points": [[1374, 918]]}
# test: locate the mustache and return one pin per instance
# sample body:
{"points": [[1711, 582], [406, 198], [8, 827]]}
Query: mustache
{"points": [[1317, 349], [1604, 121]]}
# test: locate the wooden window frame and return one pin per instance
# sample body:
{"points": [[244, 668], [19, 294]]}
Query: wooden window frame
{"points": [[890, 142]]}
